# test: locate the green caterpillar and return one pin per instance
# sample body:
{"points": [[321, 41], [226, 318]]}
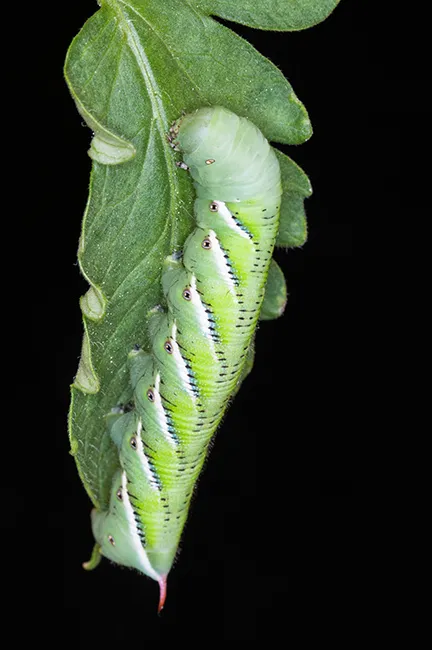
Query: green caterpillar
{"points": [[182, 387]]}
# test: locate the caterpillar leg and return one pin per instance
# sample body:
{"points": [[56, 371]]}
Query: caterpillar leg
{"points": [[171, 142]]}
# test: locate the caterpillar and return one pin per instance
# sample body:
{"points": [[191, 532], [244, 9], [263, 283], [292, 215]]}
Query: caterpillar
{"points": [[181, 387]]}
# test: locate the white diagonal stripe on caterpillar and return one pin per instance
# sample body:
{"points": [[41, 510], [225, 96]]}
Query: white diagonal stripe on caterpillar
{"points": [[181, 364], [202, 315], [161, 415], [148, 472], [133, 530], [222, 264], [231, 221]]}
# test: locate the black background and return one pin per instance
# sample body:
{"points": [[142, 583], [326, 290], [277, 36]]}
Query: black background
{"points": [[268, 551]]}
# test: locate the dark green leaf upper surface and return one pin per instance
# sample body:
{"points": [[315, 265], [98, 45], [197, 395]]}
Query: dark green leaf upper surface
{"points": [[278, 15]]}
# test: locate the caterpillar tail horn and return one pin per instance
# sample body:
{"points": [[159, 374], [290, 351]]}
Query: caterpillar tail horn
{"points": [[162, 592]]}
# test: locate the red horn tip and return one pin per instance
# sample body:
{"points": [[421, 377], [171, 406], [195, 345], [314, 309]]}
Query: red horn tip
{"points": [[162, 592]]}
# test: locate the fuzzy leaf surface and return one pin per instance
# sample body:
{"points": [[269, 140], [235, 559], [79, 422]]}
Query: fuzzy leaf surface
{"points": [[132, 70]]}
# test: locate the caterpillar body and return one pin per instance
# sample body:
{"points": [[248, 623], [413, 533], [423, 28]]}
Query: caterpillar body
{"points": [[182, 386]]}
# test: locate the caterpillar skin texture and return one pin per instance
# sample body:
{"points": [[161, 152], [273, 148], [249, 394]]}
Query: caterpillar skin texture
{"points": [[199, 344]]}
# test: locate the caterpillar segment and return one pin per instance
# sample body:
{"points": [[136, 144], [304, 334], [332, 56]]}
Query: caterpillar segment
{"points": [[202, 344]]}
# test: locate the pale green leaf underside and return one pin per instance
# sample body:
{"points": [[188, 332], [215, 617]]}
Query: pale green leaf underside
{"points": [[106, 147], [296, 188], [278, 15], [132, 70], [276, 294]]}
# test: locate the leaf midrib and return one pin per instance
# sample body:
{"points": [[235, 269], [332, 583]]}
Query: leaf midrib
{"points": [[164, 44], [158, 111]]}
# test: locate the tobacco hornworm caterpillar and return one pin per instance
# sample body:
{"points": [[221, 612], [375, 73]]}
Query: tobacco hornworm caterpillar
{"points": [[200, 344]]}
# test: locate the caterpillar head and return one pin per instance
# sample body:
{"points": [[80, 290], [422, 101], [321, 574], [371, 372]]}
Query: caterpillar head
{"points": [[205, 136], [190, 130]]}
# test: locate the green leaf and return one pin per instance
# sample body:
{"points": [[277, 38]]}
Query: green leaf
{"points": [[133, 68], [106, 147], [275, 297], [279, 15], [296, 188]]}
